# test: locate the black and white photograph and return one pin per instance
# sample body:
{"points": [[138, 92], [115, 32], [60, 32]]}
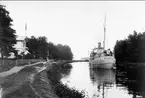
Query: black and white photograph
{"points": [[72, 49]]}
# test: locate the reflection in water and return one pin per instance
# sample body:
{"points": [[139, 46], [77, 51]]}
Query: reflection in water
{"points": [[122, 83], [102, 78], [133, 79]]}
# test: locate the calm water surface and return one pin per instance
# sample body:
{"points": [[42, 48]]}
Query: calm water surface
{"points": [[122, 83]]}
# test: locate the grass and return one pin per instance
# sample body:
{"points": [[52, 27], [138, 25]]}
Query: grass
{"points": [[25, 91], [42, 87], [63, 91], [18, 85], [7, 64]]}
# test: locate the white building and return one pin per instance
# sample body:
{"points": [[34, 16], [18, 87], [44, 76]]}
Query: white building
{"points": [[20, 46]]}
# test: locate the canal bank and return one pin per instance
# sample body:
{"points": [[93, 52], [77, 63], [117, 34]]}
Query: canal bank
{"points": [[37, 81], [25, 83], [55, 74]]}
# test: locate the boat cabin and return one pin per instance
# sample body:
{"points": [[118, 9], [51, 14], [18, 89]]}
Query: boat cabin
{"points": [[100, 51]]}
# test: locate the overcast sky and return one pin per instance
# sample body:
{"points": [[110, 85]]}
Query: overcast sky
{"points": [[78, 24]]}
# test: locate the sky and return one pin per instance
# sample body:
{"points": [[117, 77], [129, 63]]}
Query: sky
{"points": [[79, 24]]}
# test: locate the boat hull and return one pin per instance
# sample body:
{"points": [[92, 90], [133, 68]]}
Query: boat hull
{"points": [[107, 62]]}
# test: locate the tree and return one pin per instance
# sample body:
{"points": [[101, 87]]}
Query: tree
{"points": [[43, 47], [7, 34], [53, 51], [38, 47], [32, 44], [131, 49], [64, 52]]}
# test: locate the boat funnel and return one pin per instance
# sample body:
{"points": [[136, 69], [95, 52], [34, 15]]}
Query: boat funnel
{"points": [[99, 45]]}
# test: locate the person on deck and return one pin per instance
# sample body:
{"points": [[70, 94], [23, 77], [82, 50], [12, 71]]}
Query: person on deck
{"points": [[109, 52]]}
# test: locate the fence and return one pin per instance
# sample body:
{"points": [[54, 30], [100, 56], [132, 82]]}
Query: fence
{"points": [[6, 64]]}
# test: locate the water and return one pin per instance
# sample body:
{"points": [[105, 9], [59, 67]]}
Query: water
{"points": [[122, 83]]}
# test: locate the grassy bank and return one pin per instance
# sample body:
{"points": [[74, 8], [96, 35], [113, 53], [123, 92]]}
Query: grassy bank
{"points": [[63, 91], [25, 91], [7, 64]]}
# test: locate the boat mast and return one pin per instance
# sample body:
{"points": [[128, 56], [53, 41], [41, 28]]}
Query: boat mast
{"points": [[104, 31]]}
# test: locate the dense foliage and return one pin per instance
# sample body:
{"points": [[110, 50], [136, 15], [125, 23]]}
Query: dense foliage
{"points": [[64, 52], [7, 34], [40, 48], [131, 49], [37, 47]]}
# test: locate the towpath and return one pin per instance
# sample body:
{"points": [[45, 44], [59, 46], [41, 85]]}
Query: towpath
{"points": [[29, 81]]}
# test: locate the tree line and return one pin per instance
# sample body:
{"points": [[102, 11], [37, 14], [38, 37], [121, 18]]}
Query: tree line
{"points": [[40, 48], [131, 49], [37, 47]]}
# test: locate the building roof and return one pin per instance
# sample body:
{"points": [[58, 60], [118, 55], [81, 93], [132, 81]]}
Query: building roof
{"points": [[20, 38]]}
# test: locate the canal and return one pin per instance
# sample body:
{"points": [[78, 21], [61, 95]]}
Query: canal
{"points": [[120, 83]]}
